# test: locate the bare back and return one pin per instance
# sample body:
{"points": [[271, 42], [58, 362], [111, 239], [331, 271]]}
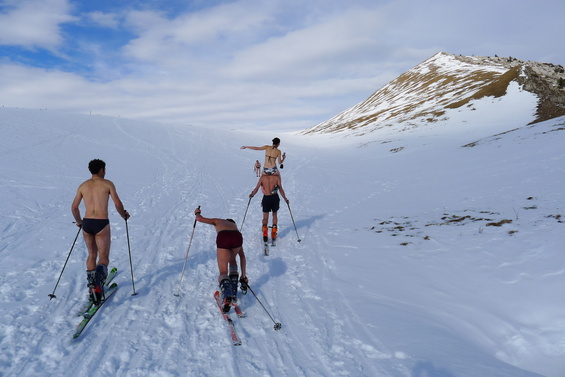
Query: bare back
{"points": [[96, 193], [272, 153], [221, 224], [268, 183]]}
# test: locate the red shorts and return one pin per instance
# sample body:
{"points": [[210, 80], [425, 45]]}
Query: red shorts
{"points": [[229, 239]]}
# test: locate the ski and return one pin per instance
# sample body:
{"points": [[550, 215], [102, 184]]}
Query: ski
{"points": [[274, 242], [86, 306], [240, 313], [266, 248], [231, 326], [93, 310]]}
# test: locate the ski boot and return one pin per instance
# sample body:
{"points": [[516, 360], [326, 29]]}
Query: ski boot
{"points": [[225, 290], [243, 281], [234, 277], [101, 274], [94, 289], [265, 233]]}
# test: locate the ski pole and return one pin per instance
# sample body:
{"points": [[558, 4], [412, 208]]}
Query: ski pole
{"points": [[278, 325], [186, 257], [241, 227], [52, 295], [292, 217], [130, 264]]}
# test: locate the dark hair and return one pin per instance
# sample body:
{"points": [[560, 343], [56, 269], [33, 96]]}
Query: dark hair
{"points": [[276, 141], [231, 220], [96, 165]]}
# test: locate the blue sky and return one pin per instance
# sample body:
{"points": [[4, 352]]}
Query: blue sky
{"points": [[273, 64]]}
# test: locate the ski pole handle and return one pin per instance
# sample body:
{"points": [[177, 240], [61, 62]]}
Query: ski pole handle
{"points": [[194, 226]]}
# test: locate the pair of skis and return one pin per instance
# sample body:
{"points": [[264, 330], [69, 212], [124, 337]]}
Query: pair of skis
{"points": [[266, 240], [231, 326], [266, 245], [89, 309]]}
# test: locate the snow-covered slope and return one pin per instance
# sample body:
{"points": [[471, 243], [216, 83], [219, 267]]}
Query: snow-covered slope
{"points": [[430, 93], [437, 252]]}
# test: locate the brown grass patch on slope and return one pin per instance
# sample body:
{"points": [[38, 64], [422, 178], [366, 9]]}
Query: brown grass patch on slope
{"points": [[495, 89]]}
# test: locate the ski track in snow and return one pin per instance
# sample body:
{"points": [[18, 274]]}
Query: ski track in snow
{"points": [[334, 308]]}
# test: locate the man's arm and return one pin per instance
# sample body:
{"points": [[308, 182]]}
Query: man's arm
{"points": [[256, 187], [117, 202], [243, 263], [75, 208], [281, 190], [203, 219]]}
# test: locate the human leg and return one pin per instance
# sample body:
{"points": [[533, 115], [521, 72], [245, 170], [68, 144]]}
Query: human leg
{"points": [[92, 251], [233, 272], [265, 226], [98, 246], [224, 256], [103, 241]]}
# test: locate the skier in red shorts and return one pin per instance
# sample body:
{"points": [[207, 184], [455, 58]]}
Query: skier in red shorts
{"points": [[229, 243]]}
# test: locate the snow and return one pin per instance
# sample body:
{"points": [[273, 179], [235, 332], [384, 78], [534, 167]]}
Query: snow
{"points": [[398, 272]]}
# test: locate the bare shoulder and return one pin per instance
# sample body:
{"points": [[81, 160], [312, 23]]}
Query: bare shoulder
{"points": [[100, 185], [108, 182]]}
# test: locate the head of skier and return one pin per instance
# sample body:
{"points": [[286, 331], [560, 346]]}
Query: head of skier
{"points": [[96, 165], [276, 142]]}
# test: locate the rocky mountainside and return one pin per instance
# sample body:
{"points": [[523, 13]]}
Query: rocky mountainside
{"points": [[426, 92]]}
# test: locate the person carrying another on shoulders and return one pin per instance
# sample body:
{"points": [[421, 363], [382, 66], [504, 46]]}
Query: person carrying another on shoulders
{"points": [[270, 185], [272, 156]]}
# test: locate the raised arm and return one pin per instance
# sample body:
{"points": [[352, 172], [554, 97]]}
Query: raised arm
{"points": [[255, 148]]}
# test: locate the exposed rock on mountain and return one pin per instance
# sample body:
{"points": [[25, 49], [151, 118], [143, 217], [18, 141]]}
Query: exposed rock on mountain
{"points": [[445, 81]]}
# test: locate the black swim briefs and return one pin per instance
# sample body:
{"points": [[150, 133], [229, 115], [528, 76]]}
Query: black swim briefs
{"points": [[94, 226]]}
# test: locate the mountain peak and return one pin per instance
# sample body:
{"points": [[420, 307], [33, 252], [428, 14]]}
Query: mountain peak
{"points": [[446, 81]]}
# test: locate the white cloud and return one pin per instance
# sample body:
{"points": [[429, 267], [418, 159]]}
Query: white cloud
{"points": [[328, 48], [194, 34], [247, 62], [34, 23], [107, 20]]}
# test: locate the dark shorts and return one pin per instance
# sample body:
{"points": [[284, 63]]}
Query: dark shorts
{"points": [[94, 226], [271, 203], [229, 239]]}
